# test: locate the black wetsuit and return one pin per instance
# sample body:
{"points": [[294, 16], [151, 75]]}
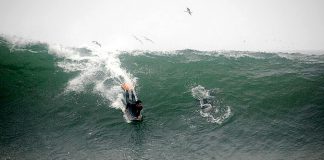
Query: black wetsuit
{"points": [[131, 104]]}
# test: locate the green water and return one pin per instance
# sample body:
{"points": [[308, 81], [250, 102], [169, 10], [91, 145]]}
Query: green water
{"points": [[56, 106]]}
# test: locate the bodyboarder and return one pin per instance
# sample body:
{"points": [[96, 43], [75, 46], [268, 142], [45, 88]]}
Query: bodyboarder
{"points": [[133, 105]]}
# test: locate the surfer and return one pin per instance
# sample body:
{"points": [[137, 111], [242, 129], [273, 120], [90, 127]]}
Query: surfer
{"points": [[133, 105], [188, 10]]}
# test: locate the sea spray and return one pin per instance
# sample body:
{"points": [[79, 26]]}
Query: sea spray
{"points": [[98, 69]]}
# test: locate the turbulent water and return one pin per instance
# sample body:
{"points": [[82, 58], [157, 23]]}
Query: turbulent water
{"points": [[66, 103]]}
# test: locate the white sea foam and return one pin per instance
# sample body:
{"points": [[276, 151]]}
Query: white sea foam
{"points": [[99, 71], [213, 111]]}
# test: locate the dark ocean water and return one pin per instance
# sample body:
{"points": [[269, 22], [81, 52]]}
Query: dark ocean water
{"points": [[65, 103]]}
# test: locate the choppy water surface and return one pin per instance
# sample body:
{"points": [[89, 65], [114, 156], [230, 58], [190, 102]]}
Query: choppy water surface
{"points": [[66, 103]]}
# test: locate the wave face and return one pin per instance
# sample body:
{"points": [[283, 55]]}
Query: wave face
{"points": [[66, 103]]}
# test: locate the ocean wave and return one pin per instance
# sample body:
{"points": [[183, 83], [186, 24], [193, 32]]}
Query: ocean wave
{"points": [[302, 57]]}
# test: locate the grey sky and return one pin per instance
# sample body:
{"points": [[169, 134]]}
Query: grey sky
{"points": [[214, 24]]}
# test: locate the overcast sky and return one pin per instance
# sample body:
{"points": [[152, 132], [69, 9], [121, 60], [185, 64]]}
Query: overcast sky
{"points": [[214, 24]]}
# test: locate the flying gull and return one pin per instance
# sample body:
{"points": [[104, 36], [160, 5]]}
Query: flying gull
{"points": [[188, 10], [138, 39], [148, 39], [97, 43]]}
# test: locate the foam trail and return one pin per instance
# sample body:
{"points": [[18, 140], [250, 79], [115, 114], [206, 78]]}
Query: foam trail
{"points": [[209, 107], [100, 72]]}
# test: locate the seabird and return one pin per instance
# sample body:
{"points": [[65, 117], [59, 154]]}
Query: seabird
{"points": [[148, 39], [138, 39], [188, 10], [97, 43]]}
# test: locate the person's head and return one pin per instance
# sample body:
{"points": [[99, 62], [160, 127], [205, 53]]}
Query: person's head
{"points": [[138, 103]]}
